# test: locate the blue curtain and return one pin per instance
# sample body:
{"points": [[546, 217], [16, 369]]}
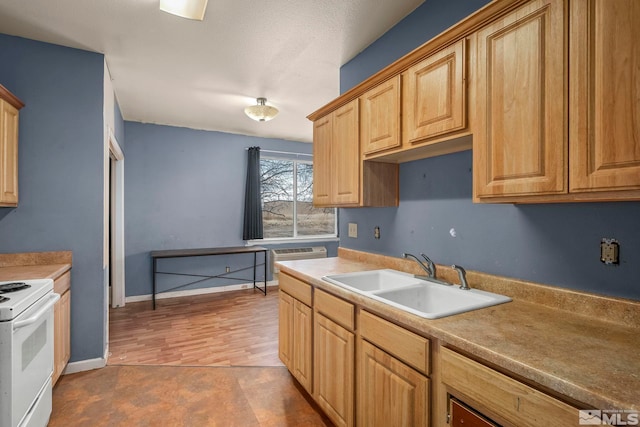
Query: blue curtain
{"points": [[252, 199]]}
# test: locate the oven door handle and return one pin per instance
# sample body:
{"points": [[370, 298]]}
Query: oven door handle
{"points": [[53, 298]]}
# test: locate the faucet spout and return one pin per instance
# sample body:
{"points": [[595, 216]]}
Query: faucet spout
{"points": [[430, 264], [428, 268], [463, 277]]}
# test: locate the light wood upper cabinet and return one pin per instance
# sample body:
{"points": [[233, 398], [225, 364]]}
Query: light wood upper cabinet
{"points": [[380, 117], [9, 112], [336, 158], [558, 103], [520, 134], [434, 95], [345, 156], [322, 137], [604, 84], [340, 176]]}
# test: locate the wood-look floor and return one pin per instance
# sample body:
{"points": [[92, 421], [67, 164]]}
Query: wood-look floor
{"points": [[238, 328], [206, 360]]}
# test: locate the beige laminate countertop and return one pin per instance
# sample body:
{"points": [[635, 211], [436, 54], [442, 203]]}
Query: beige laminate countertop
{"points": [[586, 359], [26, 272]]}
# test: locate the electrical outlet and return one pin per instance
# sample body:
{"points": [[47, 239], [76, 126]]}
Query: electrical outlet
{"points": [[610, 251], [353, 230], [227, 269], [376, 232]]}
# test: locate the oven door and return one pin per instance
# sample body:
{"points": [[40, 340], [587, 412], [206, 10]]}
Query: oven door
{"points": [[31, 355]]}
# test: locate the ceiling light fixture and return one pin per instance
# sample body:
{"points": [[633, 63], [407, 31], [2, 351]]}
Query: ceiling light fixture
{"points": [[261, 112], [190, 9]]}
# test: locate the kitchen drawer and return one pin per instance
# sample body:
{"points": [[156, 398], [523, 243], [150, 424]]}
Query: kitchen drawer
{"points": [[406, 346], [461, 416], [296, 288], [505, 397], [336, 309], [62, 283]]}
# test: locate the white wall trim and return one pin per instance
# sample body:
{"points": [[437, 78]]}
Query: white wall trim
{"points": [[85, 365], [202, 291], [117, 229]]}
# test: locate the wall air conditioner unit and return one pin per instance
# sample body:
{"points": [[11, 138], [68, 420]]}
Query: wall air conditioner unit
{"points": [[288, 254]]}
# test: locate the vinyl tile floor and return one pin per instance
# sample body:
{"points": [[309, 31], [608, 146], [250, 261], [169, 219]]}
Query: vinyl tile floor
{"points": [[224, 384]]}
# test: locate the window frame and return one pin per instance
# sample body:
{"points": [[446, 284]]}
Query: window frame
{"points": [[295, 158]]}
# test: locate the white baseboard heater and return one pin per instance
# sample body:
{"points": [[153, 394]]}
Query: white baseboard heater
{"points": [[288, 254]]}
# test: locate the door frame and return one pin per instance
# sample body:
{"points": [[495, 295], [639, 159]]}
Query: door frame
{"points": [[116, 218]]}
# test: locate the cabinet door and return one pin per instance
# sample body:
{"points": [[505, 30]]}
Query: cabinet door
{"points": [[285, 332], [61, 334], [302, 344], [380, 117], [333, 366], [322, 136], [604, 134], [390, 393], [345, 156], [434, 95], [520, 135], [8, 154]]}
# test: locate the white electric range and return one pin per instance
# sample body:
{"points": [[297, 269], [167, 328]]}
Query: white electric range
{"points": [[26, 352]]}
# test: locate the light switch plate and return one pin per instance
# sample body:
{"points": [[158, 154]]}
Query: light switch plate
{"points": [[353, 230]]}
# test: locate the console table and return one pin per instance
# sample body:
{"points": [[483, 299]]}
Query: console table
{"points": [[181, 253]]}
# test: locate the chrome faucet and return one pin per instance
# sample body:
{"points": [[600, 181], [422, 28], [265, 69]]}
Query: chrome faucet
{"points": [[429, 267], [463, 277]]}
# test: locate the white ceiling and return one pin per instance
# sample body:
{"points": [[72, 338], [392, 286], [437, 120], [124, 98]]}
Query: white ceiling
{"points": [[174, 71]]}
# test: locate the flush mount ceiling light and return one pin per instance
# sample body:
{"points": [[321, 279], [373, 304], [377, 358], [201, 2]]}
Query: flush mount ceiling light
{"points": [[190, 9], [261, 112]]}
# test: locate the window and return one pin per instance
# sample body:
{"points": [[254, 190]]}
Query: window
{"points": [[287, 200]]}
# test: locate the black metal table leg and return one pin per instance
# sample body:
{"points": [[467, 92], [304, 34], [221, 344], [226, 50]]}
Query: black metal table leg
{"points": [[153, 296]]}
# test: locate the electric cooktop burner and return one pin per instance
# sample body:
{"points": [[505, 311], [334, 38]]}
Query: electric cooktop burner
{"points": [[13, 287], [3, 299]]}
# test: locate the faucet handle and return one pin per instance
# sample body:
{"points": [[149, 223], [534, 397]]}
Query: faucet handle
{"points": [[463, 277]]}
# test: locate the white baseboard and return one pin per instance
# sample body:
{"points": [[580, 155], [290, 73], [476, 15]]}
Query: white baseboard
{"points": [[85, 365], [201, 291]]}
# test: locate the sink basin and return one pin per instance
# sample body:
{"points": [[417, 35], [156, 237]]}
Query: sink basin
{"points": [[428, 298], [432, 301], [374, 280]]}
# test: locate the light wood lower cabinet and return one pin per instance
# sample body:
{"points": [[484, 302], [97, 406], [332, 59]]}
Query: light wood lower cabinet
{"points": [[334, 360], [61, 325], [393, 364], [295, 343], [367, 371], [500, 397], [390, 393]]}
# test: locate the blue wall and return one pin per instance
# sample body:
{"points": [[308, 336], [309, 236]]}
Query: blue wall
{"points": [[427, 21], [60, 172], [556, 244], [184, 188]]}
